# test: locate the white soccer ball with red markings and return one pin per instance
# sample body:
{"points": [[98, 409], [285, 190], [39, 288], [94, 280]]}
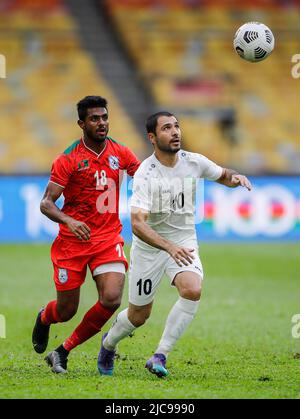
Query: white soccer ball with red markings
{"points": [[254, 41]]}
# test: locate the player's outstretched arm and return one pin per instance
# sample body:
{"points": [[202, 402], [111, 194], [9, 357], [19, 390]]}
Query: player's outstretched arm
{"points": [[49, 208], [233, 179], [143, 231]]}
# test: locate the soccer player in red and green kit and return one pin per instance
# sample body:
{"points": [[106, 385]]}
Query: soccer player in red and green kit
{"points": [[88, 174]]}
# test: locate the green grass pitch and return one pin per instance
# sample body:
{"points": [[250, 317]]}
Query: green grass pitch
{"points": [[239, 345]]}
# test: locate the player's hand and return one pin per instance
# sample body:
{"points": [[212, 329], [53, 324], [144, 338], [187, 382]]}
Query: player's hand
{"points": [[181, 255], [241, 180], [79, 228]]}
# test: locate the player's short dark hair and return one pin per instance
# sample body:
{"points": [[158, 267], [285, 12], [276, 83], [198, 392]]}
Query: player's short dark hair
{"points": [[90, 102], [151, 122]]}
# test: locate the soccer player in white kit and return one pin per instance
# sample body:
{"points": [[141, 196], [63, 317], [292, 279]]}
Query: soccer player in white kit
{"points": [[164, 239]]}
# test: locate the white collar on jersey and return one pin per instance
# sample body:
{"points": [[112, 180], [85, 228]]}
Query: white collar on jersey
{"points": [[168, 167], [98, 155]]}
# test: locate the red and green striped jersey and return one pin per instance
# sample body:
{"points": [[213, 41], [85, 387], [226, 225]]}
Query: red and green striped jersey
{"points": [[91, 185]]}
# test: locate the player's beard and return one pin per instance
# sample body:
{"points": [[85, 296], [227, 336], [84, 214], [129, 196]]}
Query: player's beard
{"points": [[97, 137], [168, 148]]}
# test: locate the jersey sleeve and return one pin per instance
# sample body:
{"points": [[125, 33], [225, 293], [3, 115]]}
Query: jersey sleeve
{"points": [[141, 194], [131, 162], [61, 170], [208, 169]]}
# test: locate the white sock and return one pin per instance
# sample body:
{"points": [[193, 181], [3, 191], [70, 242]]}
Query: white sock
{"points": [[121, 328], [178, 320]]}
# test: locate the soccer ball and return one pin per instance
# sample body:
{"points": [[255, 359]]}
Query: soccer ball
{"points": [[253, 41]]}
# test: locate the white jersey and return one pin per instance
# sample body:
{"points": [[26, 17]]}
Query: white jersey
{"points": [[169, 194]]}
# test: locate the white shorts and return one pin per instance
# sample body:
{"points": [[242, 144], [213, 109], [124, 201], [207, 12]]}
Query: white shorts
{"points": [[148, 267]]}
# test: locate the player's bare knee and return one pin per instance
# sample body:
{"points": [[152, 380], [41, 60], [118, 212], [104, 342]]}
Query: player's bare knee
{"points": [[139, 318], [111, 301], [191, 293], [196, 294]]}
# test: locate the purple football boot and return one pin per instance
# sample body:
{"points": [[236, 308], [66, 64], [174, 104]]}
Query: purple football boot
{"points": [[105, 359], [157, 365]]}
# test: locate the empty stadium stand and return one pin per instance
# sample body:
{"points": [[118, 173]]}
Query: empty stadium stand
{"points": [[237, 113], [48, 72]]}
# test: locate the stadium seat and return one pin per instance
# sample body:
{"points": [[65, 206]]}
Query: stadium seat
{"points": [[48, 73]]}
